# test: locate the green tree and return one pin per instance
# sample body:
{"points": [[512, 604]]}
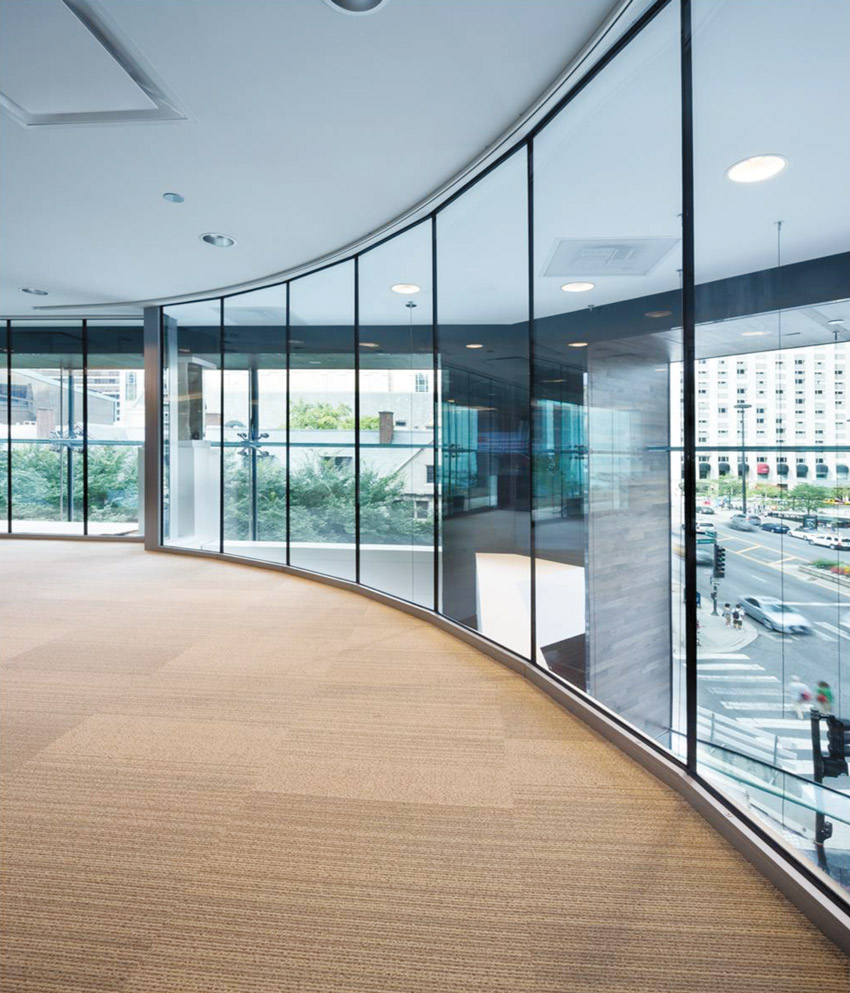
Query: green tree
{"points": [[306, 416], [807, 496], [321, 503]]}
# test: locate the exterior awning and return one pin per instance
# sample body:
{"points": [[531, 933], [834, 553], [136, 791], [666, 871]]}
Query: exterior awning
{"points": [[762, 468], [842, 470], [723, 468], [802, 469], [704, 470], [821, 470], [743, 468], [781, 469]]}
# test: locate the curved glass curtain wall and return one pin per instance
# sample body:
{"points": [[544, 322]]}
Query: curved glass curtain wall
{"points": [[72, 406], [488, 415]]}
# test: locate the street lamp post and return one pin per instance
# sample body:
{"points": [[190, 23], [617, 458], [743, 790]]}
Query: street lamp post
{"points": [[742, 408]]}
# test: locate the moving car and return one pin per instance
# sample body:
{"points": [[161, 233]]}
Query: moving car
{"points": [[740, 523], [775, 615], [705, 510], [805, 533], [775, 528], [830, 541]]}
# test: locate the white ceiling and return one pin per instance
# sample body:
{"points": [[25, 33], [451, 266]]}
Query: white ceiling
{"points": [[305, 130]]}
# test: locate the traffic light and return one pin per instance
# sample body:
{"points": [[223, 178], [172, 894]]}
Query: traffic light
{"points": [[719, 561], [838, 741]]}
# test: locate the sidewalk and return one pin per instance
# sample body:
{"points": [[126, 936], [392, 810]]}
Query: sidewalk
{"points": [[716, 638]]}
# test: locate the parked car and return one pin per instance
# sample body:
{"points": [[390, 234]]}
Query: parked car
{"points": [[775, 615], [775, 528], [830, 541], [805, 533], [740, 523]]}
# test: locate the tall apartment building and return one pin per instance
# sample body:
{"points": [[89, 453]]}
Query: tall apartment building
{"points": [[796, 410]]}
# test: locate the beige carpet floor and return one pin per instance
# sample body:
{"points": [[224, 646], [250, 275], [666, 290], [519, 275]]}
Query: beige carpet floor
{"points": [[218, 778]]}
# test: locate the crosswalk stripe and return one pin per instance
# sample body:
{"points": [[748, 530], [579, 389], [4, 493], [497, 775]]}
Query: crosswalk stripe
{"points": [[833, 628], [765, 722], [745, 705], [727, 666], [825, 637]]}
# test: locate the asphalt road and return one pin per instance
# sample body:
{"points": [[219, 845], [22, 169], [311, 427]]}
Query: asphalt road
{"points": [[750, 685]]}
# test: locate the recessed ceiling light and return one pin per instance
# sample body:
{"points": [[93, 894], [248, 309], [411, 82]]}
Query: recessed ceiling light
{"points": [[173, 197], [33, 292], [355, 6], [837, 321], [753, 334], [474, 345], [314, 362], [218, 240], [658, 313], [370, 344], [405, 288], [577, 287], [756, 168], [554, 380], [577, 344]]}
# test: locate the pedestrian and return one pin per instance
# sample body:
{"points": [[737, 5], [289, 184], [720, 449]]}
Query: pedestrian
{"points": [[738, 617], [823, 695], [801, 696], [727, 614]]}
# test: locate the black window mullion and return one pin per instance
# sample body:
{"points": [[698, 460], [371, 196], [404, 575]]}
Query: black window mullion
{"points": [[85, 428], [688, 387]]}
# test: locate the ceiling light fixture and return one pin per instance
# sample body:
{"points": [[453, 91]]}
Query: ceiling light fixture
{"points": [[33, 292], [554, 380], [836, 323], [579, 287], [474, 345], [369, 344], [173, 197], [355, 6], [658, 313], [753, 334], [405, 288], [757, 168], [577, 344], [218, 240]]}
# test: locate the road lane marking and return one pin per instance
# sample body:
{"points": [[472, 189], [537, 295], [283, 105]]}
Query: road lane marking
{"points": [[749, 548], [833, 628], [728, 666], [758, 579], [755, 705], [701, 658], [815, 603], [740, 677], [767, 722]]}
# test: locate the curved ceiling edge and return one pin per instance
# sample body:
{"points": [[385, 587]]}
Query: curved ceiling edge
{"points": [[613, 27]]}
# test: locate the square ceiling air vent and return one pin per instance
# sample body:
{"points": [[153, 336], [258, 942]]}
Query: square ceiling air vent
{"points": [[606, 256], [61, 64]]}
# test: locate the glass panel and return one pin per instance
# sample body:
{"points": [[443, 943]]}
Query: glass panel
{"points": [[47, 428], [116, 427], [255, 424], [397, 477], [772, 428], [607, 443], [5, 401], [321, 411], [192, 419], [482, 257]]}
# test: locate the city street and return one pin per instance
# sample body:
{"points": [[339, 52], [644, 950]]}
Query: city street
{"points": [[750, 685]]}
